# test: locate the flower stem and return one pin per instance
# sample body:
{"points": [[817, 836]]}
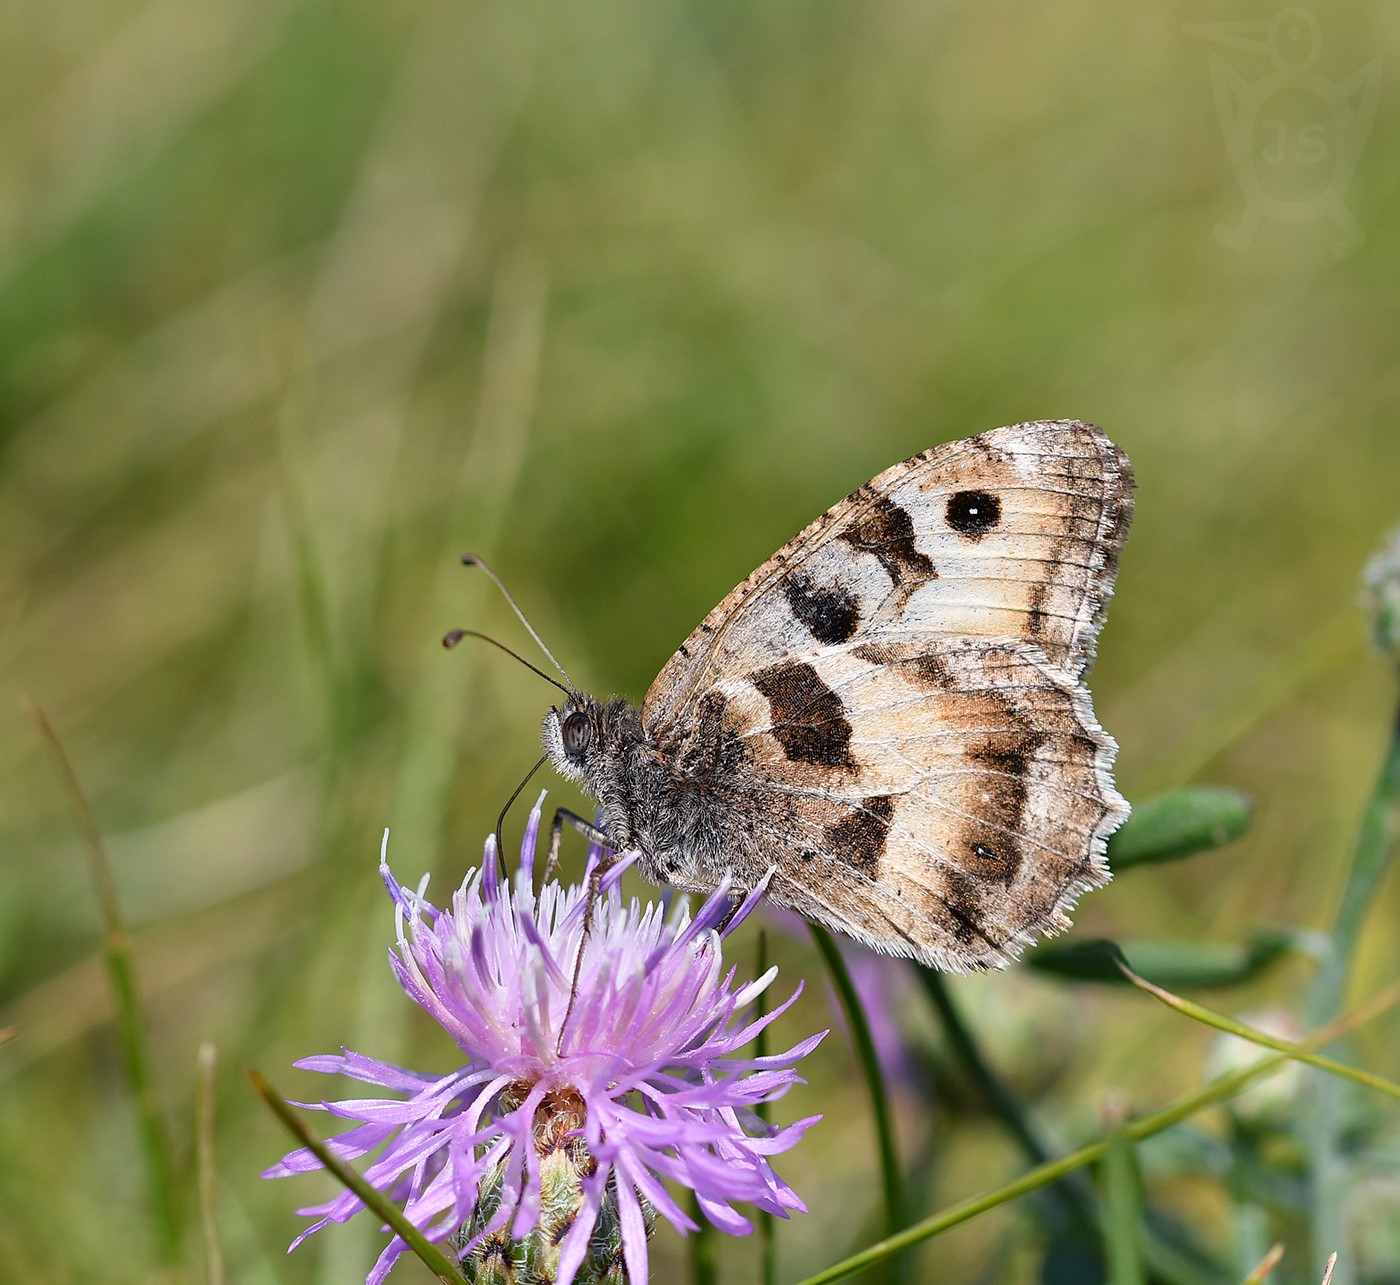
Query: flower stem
{"points": [[870, 1065], [1375, 845], [998, 1097], [767, 1240]]}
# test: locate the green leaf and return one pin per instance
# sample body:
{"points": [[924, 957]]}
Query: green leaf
{"points": [[1180, 824], [1169, 963]]}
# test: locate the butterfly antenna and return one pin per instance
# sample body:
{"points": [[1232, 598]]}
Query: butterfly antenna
{"points": [[515, 794], [471, 560], [453, 636]]}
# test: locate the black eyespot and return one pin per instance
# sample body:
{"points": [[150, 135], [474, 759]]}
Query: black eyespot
{"points": [[973, 513], [577, 732]]}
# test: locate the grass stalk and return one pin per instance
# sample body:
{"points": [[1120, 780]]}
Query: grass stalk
{"points": [[373, 1199], [767, 1238], [704, 1248], [1231, 1026], [1121, 1193], [997, 1096], [157, 1155], [864, 1045], [206, 1170], [1266, 1265], [1075, 1196]]}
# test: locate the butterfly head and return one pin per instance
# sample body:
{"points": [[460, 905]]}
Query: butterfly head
{"points": [[573, 736]]}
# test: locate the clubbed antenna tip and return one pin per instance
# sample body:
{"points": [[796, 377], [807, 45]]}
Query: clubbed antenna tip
{"points": [[471, 560]]}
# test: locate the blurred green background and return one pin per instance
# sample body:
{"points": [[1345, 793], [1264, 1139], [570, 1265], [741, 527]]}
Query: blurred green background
{"points": [[301, 299]]}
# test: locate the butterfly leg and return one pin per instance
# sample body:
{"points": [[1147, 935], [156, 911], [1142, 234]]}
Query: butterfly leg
{"points": [[586, 828], [594, 835], [723, 926]]}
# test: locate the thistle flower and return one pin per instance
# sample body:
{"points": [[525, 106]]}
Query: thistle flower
{"points": [[597, 1064]]}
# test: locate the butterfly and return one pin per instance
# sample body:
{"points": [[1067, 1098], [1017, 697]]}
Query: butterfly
{"points": [[888, 719]]}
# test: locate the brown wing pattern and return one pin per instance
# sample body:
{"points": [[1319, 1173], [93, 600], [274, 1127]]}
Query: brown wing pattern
{"points": [[949, 804], [920, 760], [1014, 533]]}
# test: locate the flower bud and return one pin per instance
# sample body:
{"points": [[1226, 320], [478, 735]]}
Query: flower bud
{"points": [[565, 1164], [1382, 578], [1268, 1103]]}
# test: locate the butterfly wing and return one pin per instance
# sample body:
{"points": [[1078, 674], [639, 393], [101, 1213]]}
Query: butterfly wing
{"points": [[899, 692], [946, 801]]}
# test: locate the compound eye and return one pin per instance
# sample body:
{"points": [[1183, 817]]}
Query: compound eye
{"points": [[578, 733]]}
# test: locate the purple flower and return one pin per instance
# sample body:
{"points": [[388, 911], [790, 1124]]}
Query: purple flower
{"points": [[637, 1082]]}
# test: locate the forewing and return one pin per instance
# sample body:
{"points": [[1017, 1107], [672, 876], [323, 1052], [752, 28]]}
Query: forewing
{"points": [[1013, 534]]}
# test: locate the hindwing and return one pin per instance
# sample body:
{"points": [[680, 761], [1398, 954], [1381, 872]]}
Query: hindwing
{"points": [[947, 804]]}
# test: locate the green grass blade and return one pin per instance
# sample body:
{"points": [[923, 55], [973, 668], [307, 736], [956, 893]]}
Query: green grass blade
{"points": [[767, 1239], [1231, 1026], [704, 1248], [1266, 1265], [207, 1172], [490, 474], [1075, 1196], [1120, 1190], [121, 967], [1218, 1090], [999, 1099], [312, 596], [870, 1066], [373, 1199]]}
